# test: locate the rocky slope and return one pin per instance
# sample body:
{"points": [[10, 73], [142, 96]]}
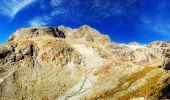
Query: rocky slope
{"points": [[60, 63]]}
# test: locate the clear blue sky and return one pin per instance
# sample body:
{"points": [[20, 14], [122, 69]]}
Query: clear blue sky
{"points": [[123, 20]]}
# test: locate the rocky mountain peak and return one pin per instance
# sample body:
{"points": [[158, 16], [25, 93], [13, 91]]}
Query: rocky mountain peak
{"points": [[86, 30], [46, 63]]}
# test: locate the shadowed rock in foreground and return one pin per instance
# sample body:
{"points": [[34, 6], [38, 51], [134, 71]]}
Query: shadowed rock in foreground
{"points": [[46, 63]]}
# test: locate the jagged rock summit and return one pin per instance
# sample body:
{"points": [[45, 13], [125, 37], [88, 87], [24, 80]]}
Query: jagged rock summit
{"points": [[61, 63]]}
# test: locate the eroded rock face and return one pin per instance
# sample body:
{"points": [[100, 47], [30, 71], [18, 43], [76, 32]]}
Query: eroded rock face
{"points": [[47, 63], [27, 33], [166, 53]]}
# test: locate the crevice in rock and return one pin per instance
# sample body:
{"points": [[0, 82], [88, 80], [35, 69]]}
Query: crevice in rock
{"points": [[30, 50], [167, 66], [7, 52], [165, 93], [3, 54], [58, 33]]}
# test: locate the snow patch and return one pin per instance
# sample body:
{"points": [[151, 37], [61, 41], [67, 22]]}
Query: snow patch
{"points": [[135, 47]]}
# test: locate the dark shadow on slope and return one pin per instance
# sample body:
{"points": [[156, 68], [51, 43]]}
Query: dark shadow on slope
{"points": [[165, 93], [167, 66]]}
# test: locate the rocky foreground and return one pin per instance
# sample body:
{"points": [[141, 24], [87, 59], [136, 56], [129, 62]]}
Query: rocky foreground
{"points": [[60, 63]]}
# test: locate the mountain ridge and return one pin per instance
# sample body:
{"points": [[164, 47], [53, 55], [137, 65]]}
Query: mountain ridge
{"points": [[72, 64]]}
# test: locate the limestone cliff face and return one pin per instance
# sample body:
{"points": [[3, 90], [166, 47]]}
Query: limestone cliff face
{"points": [[46, 63]]}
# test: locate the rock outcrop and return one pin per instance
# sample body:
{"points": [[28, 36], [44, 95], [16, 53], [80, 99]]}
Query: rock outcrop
{"points": [[47, 63], [26, 33]]}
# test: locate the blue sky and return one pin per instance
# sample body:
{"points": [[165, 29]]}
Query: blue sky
{"points": [[124, 21]]}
